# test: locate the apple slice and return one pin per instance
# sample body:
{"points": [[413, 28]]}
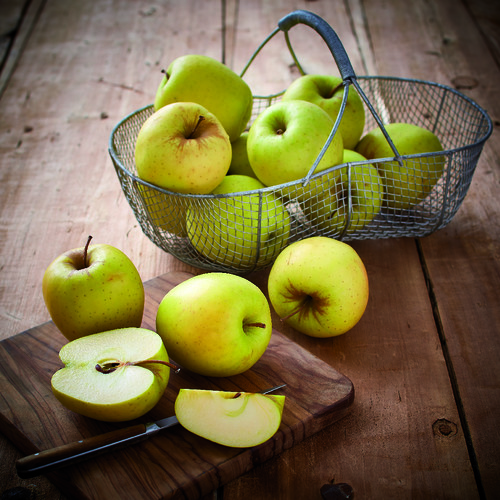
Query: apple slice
{"points": [[236, 419], [113, 376]]}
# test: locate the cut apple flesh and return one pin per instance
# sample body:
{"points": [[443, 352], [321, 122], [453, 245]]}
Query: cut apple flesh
{"points": [[236, 419], [107, 375]]}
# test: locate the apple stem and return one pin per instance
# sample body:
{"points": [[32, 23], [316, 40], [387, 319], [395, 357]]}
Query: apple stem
{"points": [[160, 362], [200, 119], [257, 325], [110, 367], [85, 252]]}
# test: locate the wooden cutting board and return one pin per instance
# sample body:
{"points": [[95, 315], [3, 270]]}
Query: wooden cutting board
{"points": [[174, 463]]}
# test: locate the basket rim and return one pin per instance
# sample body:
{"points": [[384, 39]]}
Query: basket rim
{"points": [[446, 152]]}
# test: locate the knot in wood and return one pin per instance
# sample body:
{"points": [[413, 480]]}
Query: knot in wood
{"points": [[445, 428]]}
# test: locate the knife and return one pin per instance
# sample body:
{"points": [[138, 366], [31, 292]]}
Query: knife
{"points": [[71, 453]]}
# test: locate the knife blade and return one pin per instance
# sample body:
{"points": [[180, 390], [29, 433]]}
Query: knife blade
{"points": [[71, 453]]}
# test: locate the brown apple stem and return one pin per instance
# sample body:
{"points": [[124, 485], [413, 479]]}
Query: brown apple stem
{"points": [[158, 361], [85, 252], [200, 119], [111, 366], [257, 325]]}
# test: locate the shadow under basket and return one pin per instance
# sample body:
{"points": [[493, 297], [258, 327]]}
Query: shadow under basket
{"points": [[243, 232]]}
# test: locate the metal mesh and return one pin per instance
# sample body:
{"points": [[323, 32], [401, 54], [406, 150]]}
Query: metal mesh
{"points": [[243, 232]]}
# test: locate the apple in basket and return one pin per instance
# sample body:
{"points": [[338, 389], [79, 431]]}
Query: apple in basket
{"points": [[327, 92], [240, 165], [113, 376], [351, 195], [409, 182], [215, 324], [241, 230], [319, 286], [236, 419], [286, 138], [92, 289], [206, 81], [183, 147]]}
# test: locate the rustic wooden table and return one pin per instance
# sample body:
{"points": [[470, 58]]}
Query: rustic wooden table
{"points": [[424, 358]]}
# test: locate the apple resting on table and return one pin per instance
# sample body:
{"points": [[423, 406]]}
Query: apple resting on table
{"points": [[409, 183], [206, 81], [236, 419], [183, 147], [346, 198], [215, 324], [319, 286], [327, 92], [113, 376], [241, 230], [286, 138], [92, 289]]}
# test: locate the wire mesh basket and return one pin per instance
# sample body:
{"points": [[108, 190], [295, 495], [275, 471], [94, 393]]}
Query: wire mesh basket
{"points": [[243, 232]]}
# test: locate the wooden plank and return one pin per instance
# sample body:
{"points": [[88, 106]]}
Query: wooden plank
{"points": [[175, 463], [390, 446], [462, 260]]}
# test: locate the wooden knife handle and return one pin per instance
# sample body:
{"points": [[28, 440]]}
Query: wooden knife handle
{"points": [[67, 454]]}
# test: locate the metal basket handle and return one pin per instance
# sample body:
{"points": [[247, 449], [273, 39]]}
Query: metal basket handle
{"points": [[344, 65], [326, 32]]}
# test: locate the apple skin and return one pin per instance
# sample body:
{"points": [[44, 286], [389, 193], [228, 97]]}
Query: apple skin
{"points": [[124, 393], [409, 184], [227, 230], [319, 286], [286, 138], [106, 294], [215, 324], [236, 419], [183, 147], [206, 81], [240, 165], [329, 207], [327, 92]]}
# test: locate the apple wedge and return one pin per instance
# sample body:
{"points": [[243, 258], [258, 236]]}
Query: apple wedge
{"points": [[236, 419], [112, 376]]}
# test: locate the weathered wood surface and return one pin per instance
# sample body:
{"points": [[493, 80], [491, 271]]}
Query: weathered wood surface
{"points": [[424, 357]]}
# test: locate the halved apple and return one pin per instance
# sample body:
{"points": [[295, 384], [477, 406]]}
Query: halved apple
{"points": [[236, 419], [113, 376]]}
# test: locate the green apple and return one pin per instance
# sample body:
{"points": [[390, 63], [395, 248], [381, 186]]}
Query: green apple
{"points": [[112, 376], [236, 419], [215, 324], [92, 289], [166, 211], [206, 81], [319, 286], [408, 183], [240, 230], [286, 138], [350, 198], [183, 147], [327, 92], [240, 165]]}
